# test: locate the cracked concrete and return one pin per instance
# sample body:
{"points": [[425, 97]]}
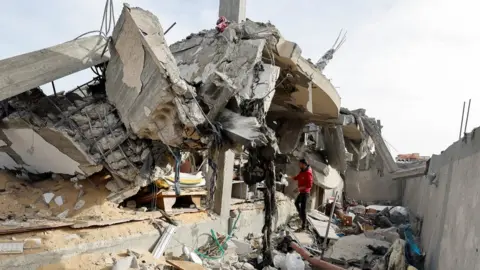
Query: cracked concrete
{"points": [[143, 81]]}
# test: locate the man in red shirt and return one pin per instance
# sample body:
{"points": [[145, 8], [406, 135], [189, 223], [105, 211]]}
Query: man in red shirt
{"points": [[305, 183]]}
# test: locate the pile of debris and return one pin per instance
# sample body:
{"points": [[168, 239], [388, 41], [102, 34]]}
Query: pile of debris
{"points": [[153, 109], [373, 237], [151, 106]]}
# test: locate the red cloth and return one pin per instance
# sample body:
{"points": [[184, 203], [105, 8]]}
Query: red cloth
{"points": [[305, 180]]}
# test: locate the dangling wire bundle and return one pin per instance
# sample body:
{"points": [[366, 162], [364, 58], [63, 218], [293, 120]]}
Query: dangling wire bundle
{"points": [[322, 63], [108, 22]]}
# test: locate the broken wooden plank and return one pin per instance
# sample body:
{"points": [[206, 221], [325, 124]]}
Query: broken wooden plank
{"points": [[24, 72], [184, 265]]}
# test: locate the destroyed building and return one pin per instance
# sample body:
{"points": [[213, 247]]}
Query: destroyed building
{"points": [[239, 105]]}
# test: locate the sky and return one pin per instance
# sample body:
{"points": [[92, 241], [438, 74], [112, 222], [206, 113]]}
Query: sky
{"points": [[409, 63]]}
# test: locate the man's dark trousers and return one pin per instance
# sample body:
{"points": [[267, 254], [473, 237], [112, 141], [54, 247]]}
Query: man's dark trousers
{"points": [[301, 204]]}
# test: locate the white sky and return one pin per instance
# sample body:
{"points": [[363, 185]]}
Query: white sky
{"points": [[410, 63]]}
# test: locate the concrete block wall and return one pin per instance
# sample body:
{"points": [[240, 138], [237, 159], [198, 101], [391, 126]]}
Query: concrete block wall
{"points": [[370, 186], [450, 234]]}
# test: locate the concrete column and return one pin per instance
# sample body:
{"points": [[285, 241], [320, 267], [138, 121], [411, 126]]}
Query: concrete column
{"points": [[233, 10], [223, 191]]}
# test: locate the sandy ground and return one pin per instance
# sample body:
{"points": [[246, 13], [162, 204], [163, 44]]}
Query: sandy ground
{"points": [[22, 205], [21, 200]]}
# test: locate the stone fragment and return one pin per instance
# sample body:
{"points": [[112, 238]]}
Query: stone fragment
{"points": [[63, 214], [44, 213], [59, 200], [131, 204], [79, 204], [47, 197]]}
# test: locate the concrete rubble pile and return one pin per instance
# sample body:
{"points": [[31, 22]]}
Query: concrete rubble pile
{"points": [[381, 246], [374, 237], [152, 105], [364, 141], [208, 90], [355, 140], [82, 135]]}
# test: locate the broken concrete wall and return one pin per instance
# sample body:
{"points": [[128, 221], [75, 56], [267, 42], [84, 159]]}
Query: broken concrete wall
{"points": [[335, 148], [363, 139], [447, 205], [372, 185], [38, 154]]}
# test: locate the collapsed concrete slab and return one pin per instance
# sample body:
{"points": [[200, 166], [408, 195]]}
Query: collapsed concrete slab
{"points": [[363, 138], [28, 148], [160, 101], [410, 172], [245, 130], [27, 71], [380, 146], [143, 81]]}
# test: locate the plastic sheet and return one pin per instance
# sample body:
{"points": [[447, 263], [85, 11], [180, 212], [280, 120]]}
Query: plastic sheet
{"points": [[293, 261]]}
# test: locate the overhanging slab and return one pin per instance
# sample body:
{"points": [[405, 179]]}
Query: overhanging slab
{"points": [[320, 98], [27, 71]]}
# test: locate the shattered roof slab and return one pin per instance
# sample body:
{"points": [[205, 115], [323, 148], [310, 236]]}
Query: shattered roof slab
{"points": [[312, 96], [27, 71], [143, 80], [320, 98]]}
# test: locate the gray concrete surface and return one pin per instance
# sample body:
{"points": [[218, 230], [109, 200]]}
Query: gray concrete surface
{"points": [[370, 186], [144, 82], [451, 228], [223, 190], [27, 71], [233, 10]]}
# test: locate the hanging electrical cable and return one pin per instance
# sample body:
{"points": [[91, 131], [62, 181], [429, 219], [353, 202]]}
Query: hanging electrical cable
{"points": [[107, 24]]}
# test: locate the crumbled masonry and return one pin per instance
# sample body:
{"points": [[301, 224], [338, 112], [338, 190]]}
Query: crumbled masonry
{"points": [[244, 88]]}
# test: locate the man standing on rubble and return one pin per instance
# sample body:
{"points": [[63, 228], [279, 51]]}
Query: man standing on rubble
{"points": [[305, 183]]}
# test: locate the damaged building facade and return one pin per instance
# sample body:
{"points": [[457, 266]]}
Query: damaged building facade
{"points": [[210, 91], [222, 115]]}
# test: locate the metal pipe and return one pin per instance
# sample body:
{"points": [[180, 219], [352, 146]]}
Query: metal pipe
{"points": [[169, 28], [466, 119], [163, 241], [324, 244], [461, 123], [54, 90]]}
